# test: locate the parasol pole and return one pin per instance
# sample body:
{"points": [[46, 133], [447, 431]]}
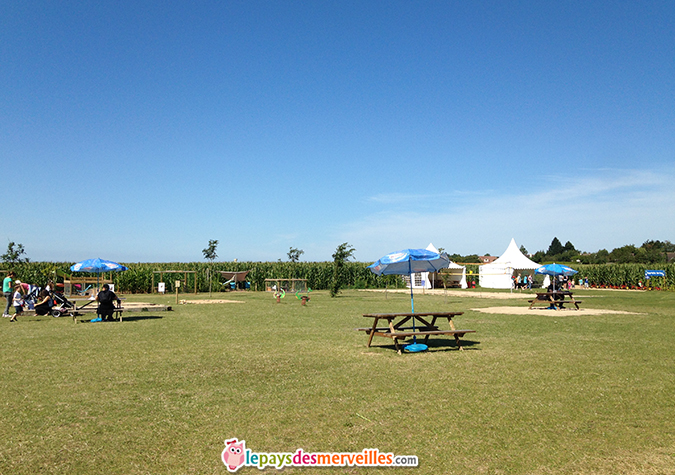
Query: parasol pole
{"points": [[412, 301]]}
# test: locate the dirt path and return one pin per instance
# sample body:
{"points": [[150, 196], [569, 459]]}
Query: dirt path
{"points": [[549, 313], [462, 293]]}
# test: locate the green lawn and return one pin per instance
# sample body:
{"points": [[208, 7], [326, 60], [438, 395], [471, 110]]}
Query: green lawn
{"points": [[160, 392]]}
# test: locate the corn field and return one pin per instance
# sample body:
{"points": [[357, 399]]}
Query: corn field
{"points": [[626, 276], [139, 277]]}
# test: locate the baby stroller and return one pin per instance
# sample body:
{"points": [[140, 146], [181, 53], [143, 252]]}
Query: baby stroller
{"points": [[31, 295], [62, 306], [56, 306]]}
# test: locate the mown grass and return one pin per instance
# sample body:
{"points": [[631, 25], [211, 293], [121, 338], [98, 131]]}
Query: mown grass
{"points": [[160, 392]]}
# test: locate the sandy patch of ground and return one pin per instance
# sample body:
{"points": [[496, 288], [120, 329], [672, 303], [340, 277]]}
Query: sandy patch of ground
{"points": [[461, 293], [547, 312], [198, 302]]}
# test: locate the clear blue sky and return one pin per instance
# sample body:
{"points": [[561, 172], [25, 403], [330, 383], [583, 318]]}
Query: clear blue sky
{"points": [[139, 130]]}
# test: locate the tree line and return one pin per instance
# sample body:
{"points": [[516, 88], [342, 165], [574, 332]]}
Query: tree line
{"points": [[650, 252]]}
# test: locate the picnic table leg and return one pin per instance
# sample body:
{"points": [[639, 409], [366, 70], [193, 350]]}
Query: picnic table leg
{"points": [[433, 324], [452, 327], [392, 329], [372, 332], [398, 347]]}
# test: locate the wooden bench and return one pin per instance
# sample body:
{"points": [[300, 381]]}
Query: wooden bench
{"points": [[117, 313], [457, 333]]}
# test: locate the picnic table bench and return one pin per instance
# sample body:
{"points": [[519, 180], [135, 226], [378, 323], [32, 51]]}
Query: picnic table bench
{"points": [[554, 299], [421, 326], [117, 313], [86, 308]]}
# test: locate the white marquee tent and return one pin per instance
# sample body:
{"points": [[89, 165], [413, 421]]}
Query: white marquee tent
{"points": [[497, 274]]}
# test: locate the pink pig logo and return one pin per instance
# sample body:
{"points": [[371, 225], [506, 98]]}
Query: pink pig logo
{"points": [[234, 454]]}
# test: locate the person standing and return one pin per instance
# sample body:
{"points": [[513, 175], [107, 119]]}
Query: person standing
{"points": [[8, 291], [17, 301]]}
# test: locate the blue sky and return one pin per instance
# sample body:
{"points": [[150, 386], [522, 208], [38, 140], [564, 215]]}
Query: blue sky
{"points": [[137, 131]]}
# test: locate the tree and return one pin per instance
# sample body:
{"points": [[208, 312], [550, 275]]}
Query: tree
{"points": [[623, 254], [210, 254], [14, 254], [602, 257], [523, 250], [342, 254], [472, 258], [555, 248], [294, 254], [539, 256]]}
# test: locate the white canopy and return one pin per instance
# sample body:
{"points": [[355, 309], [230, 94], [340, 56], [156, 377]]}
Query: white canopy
{"points": [[497, 275]]}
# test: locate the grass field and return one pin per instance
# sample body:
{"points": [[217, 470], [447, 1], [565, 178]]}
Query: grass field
{"points": [[160, 392]]}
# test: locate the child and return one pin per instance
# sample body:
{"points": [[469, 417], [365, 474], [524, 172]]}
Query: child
{"points": [[17, 302]]}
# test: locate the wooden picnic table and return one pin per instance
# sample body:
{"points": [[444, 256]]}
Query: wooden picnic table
{"points": [[88, 308], [555, 299], [400, 326]]}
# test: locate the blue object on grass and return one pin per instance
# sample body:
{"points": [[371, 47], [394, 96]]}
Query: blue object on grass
{"points": [[98, 319], [415, 348]]}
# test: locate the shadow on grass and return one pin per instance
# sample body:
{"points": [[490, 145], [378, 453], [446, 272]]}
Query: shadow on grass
{"points": [[130, 318], [436, 345], [134, 318]]}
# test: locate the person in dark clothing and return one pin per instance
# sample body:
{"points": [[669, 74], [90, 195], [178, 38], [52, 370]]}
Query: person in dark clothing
{"points": [[44, 303], [106, 303]]}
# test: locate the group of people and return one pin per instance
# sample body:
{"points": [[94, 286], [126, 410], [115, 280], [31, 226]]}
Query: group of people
{"points": [[15, 291], [521, 281]]}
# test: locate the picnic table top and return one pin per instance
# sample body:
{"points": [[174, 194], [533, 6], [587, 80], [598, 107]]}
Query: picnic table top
{"points": [[411, 314]]}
